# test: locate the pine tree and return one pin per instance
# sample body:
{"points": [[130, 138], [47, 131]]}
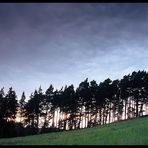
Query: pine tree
{"points": [[22, 106]]}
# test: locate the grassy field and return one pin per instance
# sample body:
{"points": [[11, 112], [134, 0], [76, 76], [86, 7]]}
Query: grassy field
{"points": [[129, 132]]}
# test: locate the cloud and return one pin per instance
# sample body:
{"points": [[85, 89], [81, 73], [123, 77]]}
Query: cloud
{"points": [[65, 43]]}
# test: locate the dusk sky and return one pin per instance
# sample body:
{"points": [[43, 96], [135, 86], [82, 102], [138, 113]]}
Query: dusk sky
{"points": [[65, 43]]}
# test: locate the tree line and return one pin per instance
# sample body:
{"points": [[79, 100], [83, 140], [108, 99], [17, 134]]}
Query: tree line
{"points": [[88, 105]]}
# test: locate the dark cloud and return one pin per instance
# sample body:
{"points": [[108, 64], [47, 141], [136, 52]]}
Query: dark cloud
{"points": [[65, 43]]}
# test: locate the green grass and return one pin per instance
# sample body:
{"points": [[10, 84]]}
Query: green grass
{"points": [[129, 132]]}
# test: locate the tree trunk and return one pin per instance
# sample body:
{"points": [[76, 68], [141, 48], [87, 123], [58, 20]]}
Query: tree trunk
{"points": [[109, 112], [125, 110], [137, 108], [96, 113], [100, 114], [74, 121], [85, 118], [45, 117], [53, 119], [57, 119], [37, 122], [80, 118], [141, 109]]}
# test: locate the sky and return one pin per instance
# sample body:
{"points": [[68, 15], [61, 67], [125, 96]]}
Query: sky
{"points": [[65, 43]]}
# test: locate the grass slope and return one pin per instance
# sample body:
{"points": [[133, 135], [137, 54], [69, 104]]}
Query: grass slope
{"points": [[129, 132]]}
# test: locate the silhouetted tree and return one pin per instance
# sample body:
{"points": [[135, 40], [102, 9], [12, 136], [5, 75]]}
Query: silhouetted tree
{"points": [[69, 106], [117, 101], [3, 104], [47, 106], [137, 84], [105, 95], [8, 110], [93, 110], [84, 96], [11, 105], [57, 107], [125, 87], [22, 107], [34, 109], [68, 109]]}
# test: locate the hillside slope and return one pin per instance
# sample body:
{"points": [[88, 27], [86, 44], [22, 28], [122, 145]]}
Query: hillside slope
{"points": [[129, 132]]}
